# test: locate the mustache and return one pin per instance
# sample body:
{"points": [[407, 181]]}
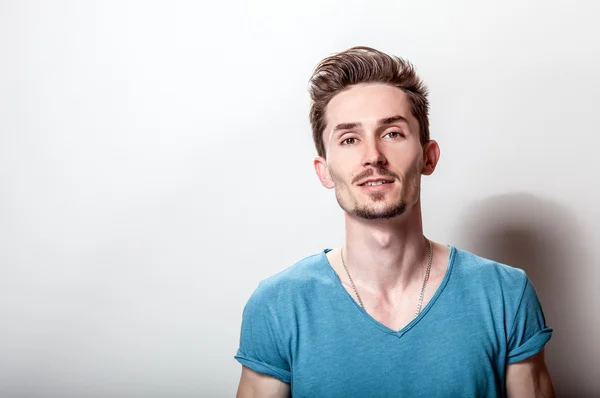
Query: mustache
{"points": [[370, 172]]}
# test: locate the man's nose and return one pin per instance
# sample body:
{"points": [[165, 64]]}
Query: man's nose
{"points": [[373, 155]]}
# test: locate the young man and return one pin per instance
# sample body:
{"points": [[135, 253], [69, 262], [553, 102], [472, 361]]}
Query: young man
{"points": [[390, 313]]}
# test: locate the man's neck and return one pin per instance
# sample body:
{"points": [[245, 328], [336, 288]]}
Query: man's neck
{"points": [[388, 254]]}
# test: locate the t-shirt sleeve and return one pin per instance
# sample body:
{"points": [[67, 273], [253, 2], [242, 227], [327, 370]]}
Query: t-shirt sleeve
{"points": [[529, 331], [261, 347]]}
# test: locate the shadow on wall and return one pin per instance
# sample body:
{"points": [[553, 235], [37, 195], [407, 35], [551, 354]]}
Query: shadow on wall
{"points": [[543, 239]]}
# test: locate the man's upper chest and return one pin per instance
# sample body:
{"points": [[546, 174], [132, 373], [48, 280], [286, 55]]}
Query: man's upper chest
{"points": [[398, 311]]}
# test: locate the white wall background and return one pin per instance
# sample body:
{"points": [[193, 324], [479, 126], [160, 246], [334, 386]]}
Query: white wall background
{"points": [[156, 163]]}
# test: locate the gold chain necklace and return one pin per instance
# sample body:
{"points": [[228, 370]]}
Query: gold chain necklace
{"points": [[424, 280]]}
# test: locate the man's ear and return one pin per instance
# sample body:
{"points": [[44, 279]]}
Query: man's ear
{"points": [[431, 156], [323, 172]]}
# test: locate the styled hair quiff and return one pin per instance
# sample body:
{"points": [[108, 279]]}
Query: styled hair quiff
{"points": [[357, 65]]}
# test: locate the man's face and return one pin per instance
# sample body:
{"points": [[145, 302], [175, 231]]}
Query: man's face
{"points": [[374, 154]]}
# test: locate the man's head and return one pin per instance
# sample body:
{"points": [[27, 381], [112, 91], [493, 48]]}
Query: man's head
{"points": [[369, 116]]}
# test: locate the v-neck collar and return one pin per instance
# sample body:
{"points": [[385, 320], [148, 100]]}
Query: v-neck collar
{"points": [[375, 322]]}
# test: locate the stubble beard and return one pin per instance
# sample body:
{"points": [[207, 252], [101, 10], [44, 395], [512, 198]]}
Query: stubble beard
{"points": [[372, 211]]}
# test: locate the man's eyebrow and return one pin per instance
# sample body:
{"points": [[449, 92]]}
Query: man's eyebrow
{"points": [[393, 119], [384, 121], [346, 126]]}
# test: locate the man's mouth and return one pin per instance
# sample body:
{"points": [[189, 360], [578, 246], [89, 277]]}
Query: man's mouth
{"points": [[374, 183]]}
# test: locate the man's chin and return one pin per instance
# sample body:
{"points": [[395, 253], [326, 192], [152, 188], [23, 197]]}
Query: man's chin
{"points": [[369, 213]]}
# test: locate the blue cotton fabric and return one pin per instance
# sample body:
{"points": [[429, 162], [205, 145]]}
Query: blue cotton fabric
{"points": [[302, 327]]}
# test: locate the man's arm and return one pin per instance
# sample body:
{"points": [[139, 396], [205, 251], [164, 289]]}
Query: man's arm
{"points": [[529, 378], [258, 385]]}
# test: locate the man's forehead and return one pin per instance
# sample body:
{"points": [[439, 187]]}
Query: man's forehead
{"points": [[366, 104]]}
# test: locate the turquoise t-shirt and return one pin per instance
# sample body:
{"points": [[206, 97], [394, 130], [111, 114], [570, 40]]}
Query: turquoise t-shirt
{"points": [[302, 327]]}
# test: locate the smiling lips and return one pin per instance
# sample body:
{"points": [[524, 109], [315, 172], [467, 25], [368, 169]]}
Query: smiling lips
{"points": [[374, 182]]}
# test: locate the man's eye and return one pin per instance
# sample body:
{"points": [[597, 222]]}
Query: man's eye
{"points": [[395, 134], [348, 141]]}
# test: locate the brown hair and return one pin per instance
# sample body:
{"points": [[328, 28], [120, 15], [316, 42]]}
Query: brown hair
{"points": [[356, 65]]}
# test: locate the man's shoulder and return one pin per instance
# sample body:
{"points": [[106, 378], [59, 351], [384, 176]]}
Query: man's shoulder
{"points": [[307, 273], [487, 272]]}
